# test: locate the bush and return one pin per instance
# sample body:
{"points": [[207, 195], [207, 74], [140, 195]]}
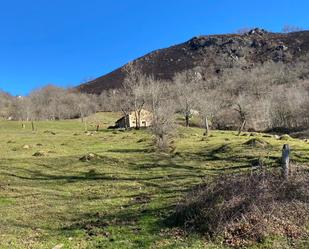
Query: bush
{"points": [[244, 209]]}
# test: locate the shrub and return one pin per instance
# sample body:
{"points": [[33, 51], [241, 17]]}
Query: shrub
{"points": [[243, 209]]}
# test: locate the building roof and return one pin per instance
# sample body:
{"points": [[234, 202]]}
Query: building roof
{"points": [[119, 119]]}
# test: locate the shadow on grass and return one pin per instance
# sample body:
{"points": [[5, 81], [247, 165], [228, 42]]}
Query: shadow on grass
{"points": [[168, 176], [130, 220], [86, 176], [129, 151], [216, 155]]}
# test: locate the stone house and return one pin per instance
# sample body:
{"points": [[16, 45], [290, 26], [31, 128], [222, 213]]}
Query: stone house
{"points": [[131, 120]]}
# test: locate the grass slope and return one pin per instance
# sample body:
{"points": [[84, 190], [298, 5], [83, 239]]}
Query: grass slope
{"points": [[119, 198]]}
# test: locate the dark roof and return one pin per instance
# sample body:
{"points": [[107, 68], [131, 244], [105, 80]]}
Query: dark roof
{"points": [[119, 119]]}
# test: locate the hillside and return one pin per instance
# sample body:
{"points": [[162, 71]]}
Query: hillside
{"points": [[214, 52], [64, 188]]}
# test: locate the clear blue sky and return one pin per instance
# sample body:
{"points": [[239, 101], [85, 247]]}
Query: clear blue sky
{"points": [[64, 42]]}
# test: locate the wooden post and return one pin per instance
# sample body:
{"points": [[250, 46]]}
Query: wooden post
{"points": [[32, 125], [242, 127], [206, 127], [285, 160]]}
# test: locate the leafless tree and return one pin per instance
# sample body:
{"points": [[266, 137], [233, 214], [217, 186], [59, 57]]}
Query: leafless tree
{"points": [[162, 106], [133, 92], [289, 106], [21, 108], [208, 105], [291, 28], [267, 96], [108, 100], [53, 103], [185, 88], [5, 104]]}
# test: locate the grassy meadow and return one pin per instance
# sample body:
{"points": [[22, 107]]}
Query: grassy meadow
{"points": [[120, 195]]}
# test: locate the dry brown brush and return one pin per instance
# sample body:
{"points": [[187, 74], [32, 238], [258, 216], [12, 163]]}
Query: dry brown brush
{"points": [[247, 208]]}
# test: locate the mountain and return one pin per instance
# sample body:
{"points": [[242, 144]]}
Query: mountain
{"points": [[213, 52]]}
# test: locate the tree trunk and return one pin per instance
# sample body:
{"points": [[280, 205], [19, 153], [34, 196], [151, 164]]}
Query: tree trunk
{"points": [[187, 120], [206, 127], [241, 127], [136, 120], [139, 118], [285, 161], [85, 124]]}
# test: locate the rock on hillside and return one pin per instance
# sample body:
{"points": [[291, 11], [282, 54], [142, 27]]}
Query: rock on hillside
{"points": [[214, 52]]}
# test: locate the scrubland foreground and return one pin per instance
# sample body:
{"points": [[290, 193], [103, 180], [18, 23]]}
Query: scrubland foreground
{"points": [[63, 188]]}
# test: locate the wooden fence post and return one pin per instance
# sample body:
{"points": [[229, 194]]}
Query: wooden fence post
{"points": [[285, 160], [32, 126], [206, 127]]}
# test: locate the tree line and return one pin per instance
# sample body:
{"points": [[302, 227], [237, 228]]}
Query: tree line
{"points": [[267, 96], [47, 103]]}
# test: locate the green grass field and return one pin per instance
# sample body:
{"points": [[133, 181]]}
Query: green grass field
{"points": [[121, 197]]}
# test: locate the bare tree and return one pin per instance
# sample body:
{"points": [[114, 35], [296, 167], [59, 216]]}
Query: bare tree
{"points": [[54, 103], [242, 107], [85, 105], [108, 100], [208, 105], [160, 102], [185, 90], [21, 108], [134, 92], [289, 106], [291, 28], [5, 104]]}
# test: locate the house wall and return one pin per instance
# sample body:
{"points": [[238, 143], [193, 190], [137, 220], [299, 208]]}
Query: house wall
{"points": [[145, 119]]}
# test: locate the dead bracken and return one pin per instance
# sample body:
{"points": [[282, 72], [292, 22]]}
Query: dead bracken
{"points": [[244, 209]]}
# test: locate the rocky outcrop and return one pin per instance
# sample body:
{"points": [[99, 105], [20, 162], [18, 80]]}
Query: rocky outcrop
{"points": [[215, 52]]}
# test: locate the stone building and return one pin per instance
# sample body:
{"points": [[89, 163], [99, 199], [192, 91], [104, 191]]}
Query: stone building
{"points": [[131, 120]]}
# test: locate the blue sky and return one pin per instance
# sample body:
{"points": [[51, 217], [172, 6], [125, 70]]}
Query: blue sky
{"points": [[65, 42]]}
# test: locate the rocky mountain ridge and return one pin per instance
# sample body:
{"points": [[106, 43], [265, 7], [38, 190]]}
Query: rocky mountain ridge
{"points": [[214, 53]]}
